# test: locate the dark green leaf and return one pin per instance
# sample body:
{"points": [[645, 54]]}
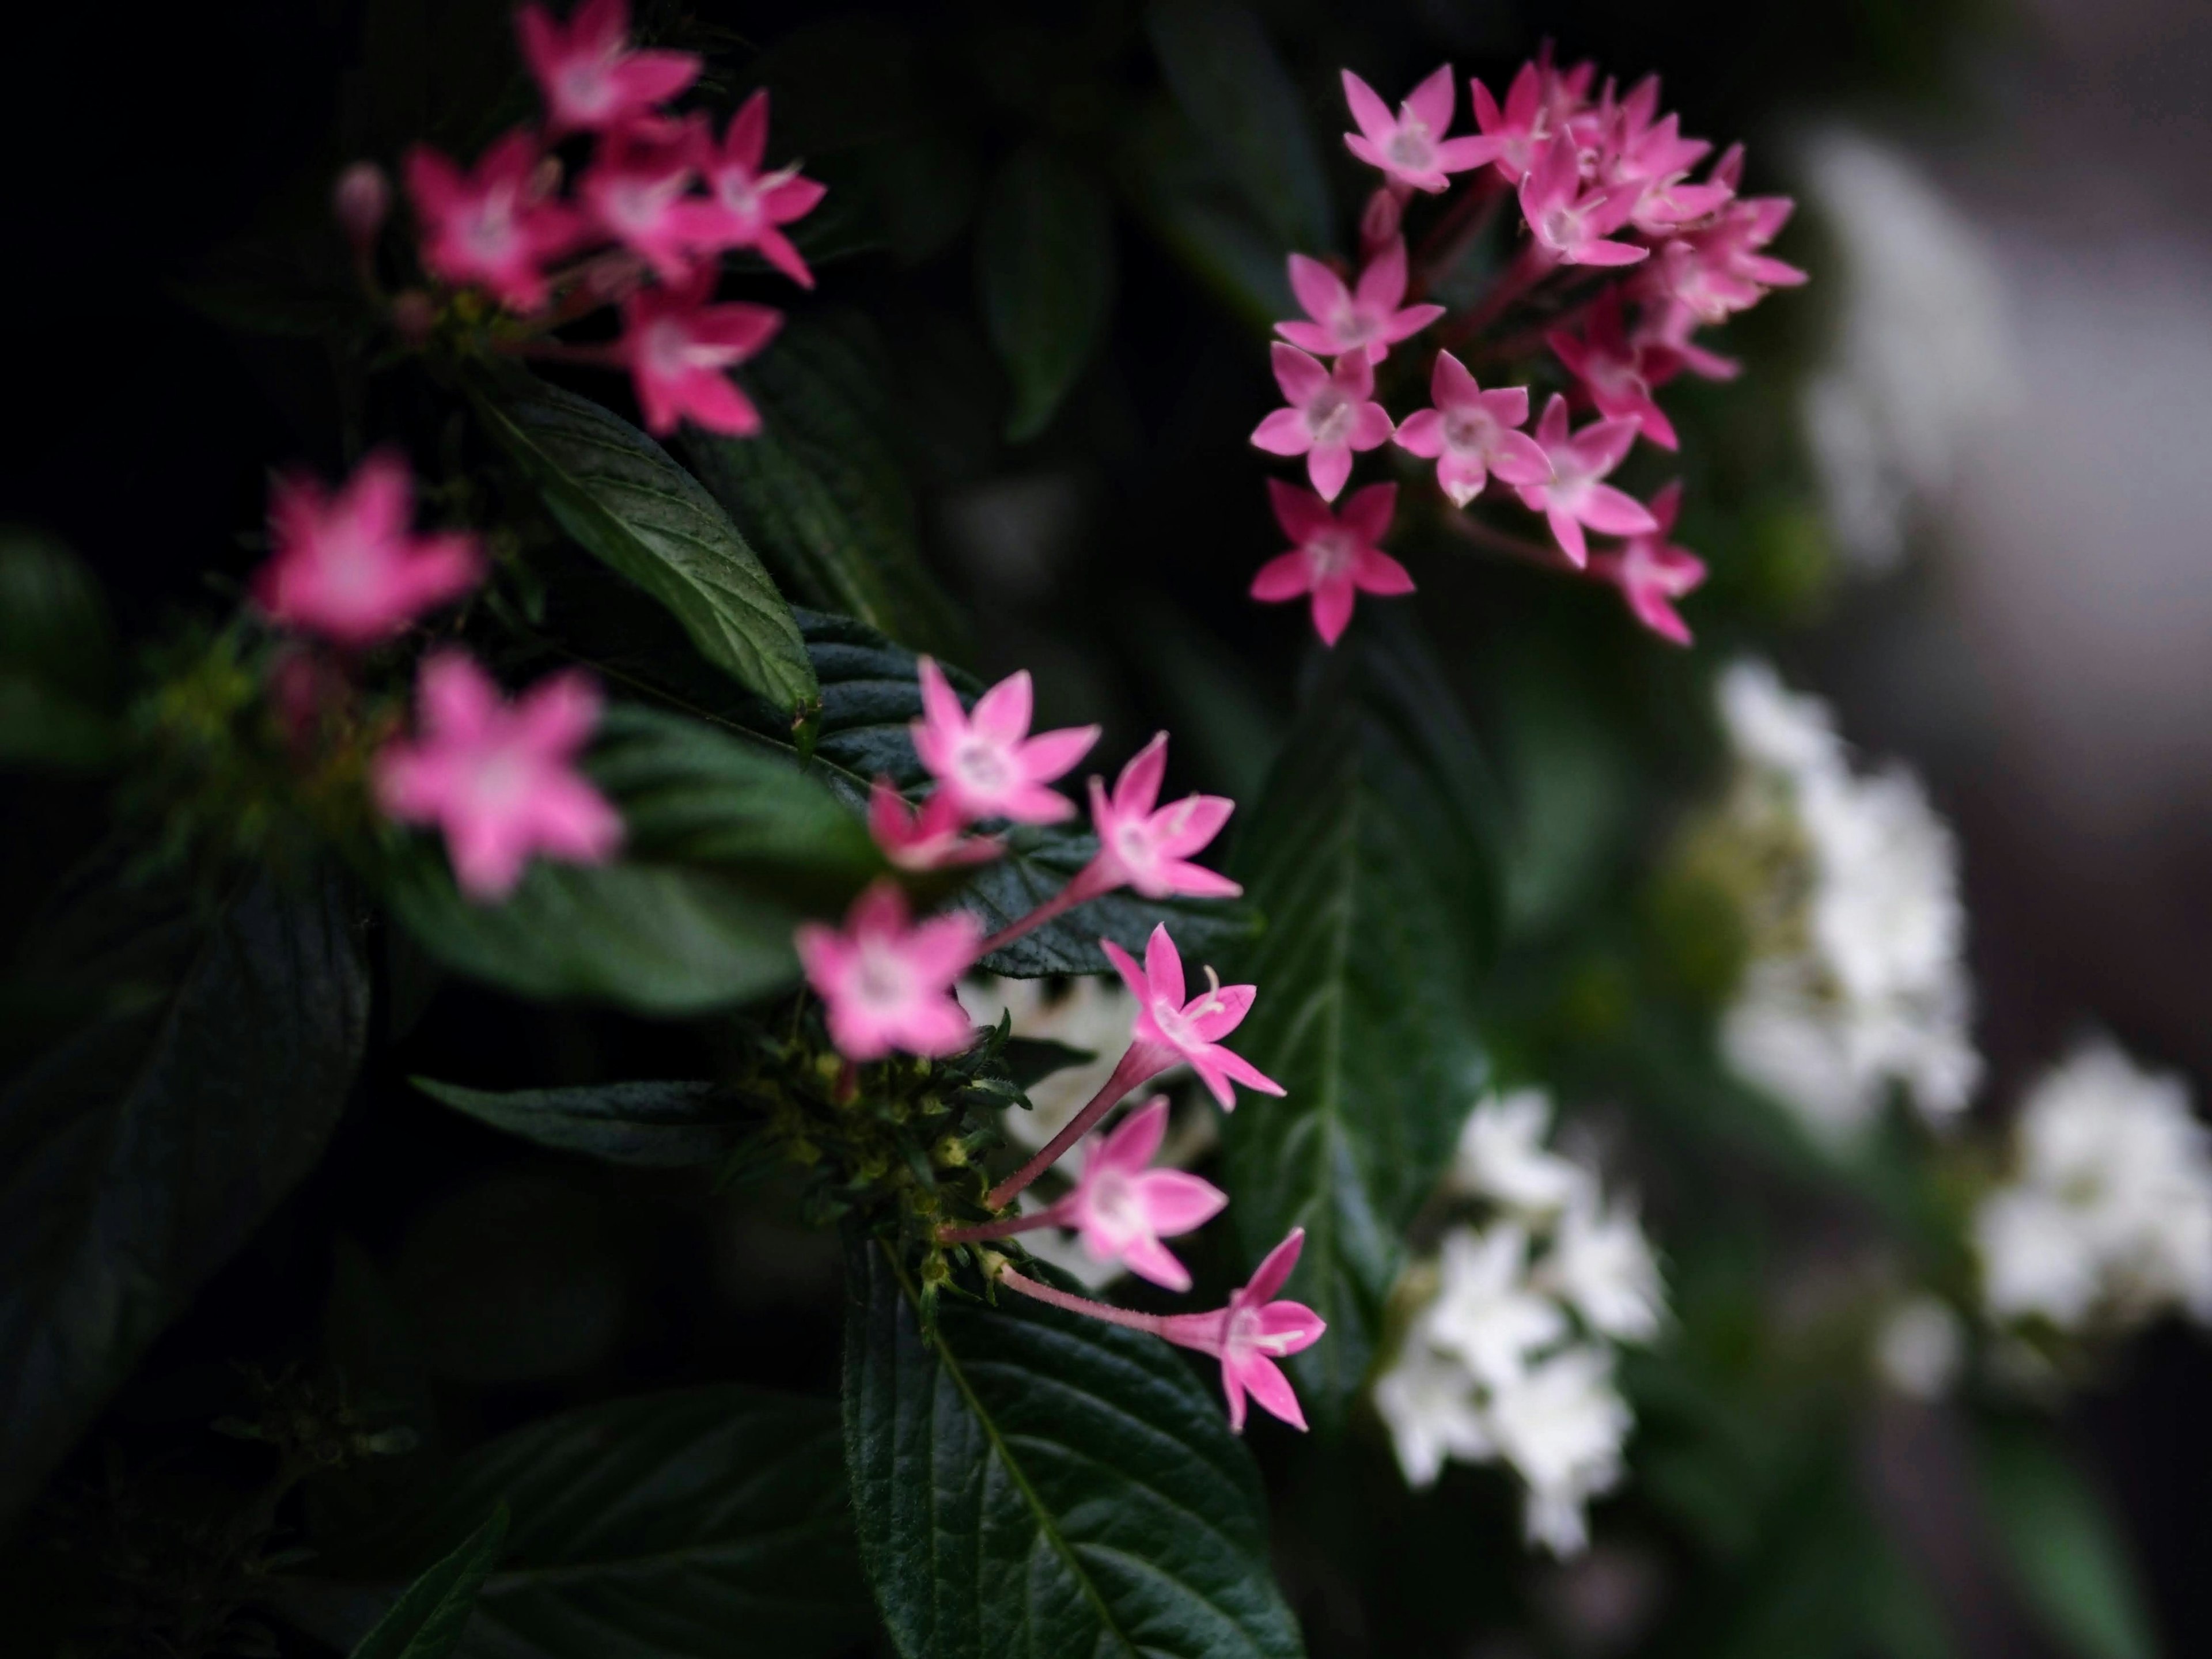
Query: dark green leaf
{"points": [[1194, 207], [57, 657], [140, 1150], [427, 1620], [1045, 260], [654, 1125], [1032, 1059], [2067, 1557], [1029, 1485], [1374, 855], [624, 500]]}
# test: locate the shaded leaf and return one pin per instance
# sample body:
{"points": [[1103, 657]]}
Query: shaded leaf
{"points": [[57, 657], [2068, 1558], [668, 1125], [1194, 209], [427, 1620], [1045, 261]]}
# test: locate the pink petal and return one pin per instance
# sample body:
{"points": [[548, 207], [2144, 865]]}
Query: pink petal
{"points": [[1569, 535], [1328, 466], [570, 820], [1461, 475], [1193, 881], [1354, 375], [1450, 384], [1609, 253], [1422, 432], [1367, 513], [1271, 1389], [794, 198], [1151, 1260], [1551, 180], [1376, 572], [1138, 788], [1275, 1270], [1164, 967], [1223, 1064], [1333, 602], [1667, 505], [1369, 110], [1131, 1144], [1320, 289], [1383, 284], [1371, 427], [1458, 154], [1431, 102], [1614, 512], [1603, 445], [1653, 610], [1050, 754], [1132, 975], [1178, 1202], [459, 702], [776, 248], [745, 141], [1404, 326], [1285, 576], [559, 714], [1231, 1003], [1002, 713], [1301, 377], [1309, 336], [1519, 460], [1284, 433], [940, 704], [712, 401]]}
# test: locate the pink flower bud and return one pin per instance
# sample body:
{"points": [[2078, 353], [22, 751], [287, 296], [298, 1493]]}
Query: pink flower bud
{"points": [[414, 315], [360, 200]]}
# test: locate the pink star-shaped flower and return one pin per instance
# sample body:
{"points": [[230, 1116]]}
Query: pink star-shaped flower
{"points": [[493, 227], [498, 779], [986, 764], [635, 191], [1122, 1208], [1335, 558], [1664, 322], [592, 78], [680, 350], [1332, 413], [1410, 147], [1369, 318], [931, 838], [1537, 107], [346, 566], [1651, 573], [1470, 433], [1149, 847], [1571, 224], [1574, 497], [1172, 1030], [1251, 1333], [888, 984], [1719, 268], [1618, 373], [747, 207]]}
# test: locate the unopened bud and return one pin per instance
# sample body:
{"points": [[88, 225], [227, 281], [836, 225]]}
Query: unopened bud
{"points": [[950, 1153], [414, 315], [1378, 224], [361, 199]]}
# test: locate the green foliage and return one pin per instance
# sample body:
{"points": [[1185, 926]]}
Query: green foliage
{"points": [[670, 1125], [2069, 1560], [431, 1615], [1045, 261], [57, 658]]}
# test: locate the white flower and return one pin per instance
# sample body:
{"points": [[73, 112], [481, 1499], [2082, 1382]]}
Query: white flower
{"points": [[1486, 1313], [2038, 1258], [1920, 1348], [1094, 1014], [1428, 1400], [1602, 1264], [1773, 726], [1562, 1425], [1501, 1155]]}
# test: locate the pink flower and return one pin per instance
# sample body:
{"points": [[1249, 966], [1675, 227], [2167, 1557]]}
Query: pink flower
{"points": [[499, 778], [1665, 323], [1537, 106], [745, 206], [1336, 557], [494, 227], [346, 566], [1470, 433], [1717, 270], [1652, 573], [1569, 223], [592, 78], [635, 191], [888, 985], [929, 839], [1380, 219], [1619, 373], [1147, 847], [1574, 497], [1169, 1031], [986, 764], [1332, 413], [1251, 1333], [1122, 1208], [1410, 148], [680, 350], [1368, 319]]}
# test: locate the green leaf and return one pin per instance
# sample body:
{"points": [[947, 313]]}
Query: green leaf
{"points": [[1028, 1484], [668, 1125], [145, 1146], [819, 490], [1195, 209], [624, 500], [2068, 1558], [427, 1620], [1045, 260], [1374, 853], [57, 657], [1233, 88]]}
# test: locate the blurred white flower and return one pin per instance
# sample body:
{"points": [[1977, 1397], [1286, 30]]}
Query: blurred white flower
{"points": [[1561, 1425], [1428, 1400], [1502, 1155], [1092, 1012], [1772, 727], [1920, 1348], [1486, 1312], [1601, 1264]]}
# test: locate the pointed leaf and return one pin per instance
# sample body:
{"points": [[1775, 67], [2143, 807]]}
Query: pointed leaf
{"points": [[669, 1125], [427, 1620], [1045, 260], [2070, 1562]]}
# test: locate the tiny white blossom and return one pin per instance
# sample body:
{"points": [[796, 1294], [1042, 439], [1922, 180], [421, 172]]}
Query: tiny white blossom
{"points": [[1561, 1425], [1501, 1155], [1920, 1348], [1486, 1313], [1773, 726], [1602, 1264], [1428, 1400]]}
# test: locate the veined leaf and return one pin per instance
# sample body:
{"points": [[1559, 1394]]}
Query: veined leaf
{"points": [[670, 1125], [1045, 260], [427, 1620]]}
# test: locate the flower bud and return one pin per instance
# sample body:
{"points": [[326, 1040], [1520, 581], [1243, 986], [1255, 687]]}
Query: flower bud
{"points": [[1378, 224], [360, 201], [414, 315]]}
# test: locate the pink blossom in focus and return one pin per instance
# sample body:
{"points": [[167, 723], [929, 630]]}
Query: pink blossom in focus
{"points": [[986, 764], [1652, 573], [499, 778], [1122, 1208], [1148, 846], [1410, 147], [888, 984], [1333, 413], [1619, 373], [1251, 1333], [1716, 270], [745, 206], [347, 566], [1571, 224], [1537, 106], [494, 225], [931, 837], [1368, 317], [635, 191], [1469, 434], [680, 350], [592, 79], [1335, 558], [1574, 497], [1169, 1029]]}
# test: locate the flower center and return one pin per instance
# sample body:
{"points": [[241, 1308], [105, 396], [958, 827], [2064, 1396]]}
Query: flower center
{"points": [[491, 230], [1410, 147], [983, 766], [880, 978], [1329, 554], [1329, 417], [667, 348], [1468, 432], [1114, 1207]]}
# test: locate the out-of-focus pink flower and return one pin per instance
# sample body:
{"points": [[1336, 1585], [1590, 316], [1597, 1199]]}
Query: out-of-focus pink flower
{"points": [[1652, 573], [1332, 413], [592, 78], [1379, 221], [1469, 434], [1369, 318], [1618, 373], [1169, 1031], [986, 764], [1122, 1208], [679, 350], [745, 206], [499, 778], [1251, 1333], [360, 201], [635, 191], [1662, 322], [888, 984], [1574, 497], [347, 566], [1144, 845], [1538, 106], [495, 226], [1716, 270], [1336, 557], [1571, 224], [931, 837], [1410, 147]]}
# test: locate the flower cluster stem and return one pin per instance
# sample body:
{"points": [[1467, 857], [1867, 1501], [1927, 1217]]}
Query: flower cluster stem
{"points": [[1141, 1062], [1014, 1279], [1005, 1228]]}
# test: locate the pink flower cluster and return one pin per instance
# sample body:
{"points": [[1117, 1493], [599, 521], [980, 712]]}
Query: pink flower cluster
{"points": [[661, 197], [1604, 187]]}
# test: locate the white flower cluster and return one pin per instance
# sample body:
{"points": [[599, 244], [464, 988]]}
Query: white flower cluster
{"points": [[1512, 1359], [1857, 979], [2107, 1217]]}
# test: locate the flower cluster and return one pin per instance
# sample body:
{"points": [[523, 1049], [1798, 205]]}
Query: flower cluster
{"points": [[1510, 1355], [1626, 256], [1856, 980]]}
